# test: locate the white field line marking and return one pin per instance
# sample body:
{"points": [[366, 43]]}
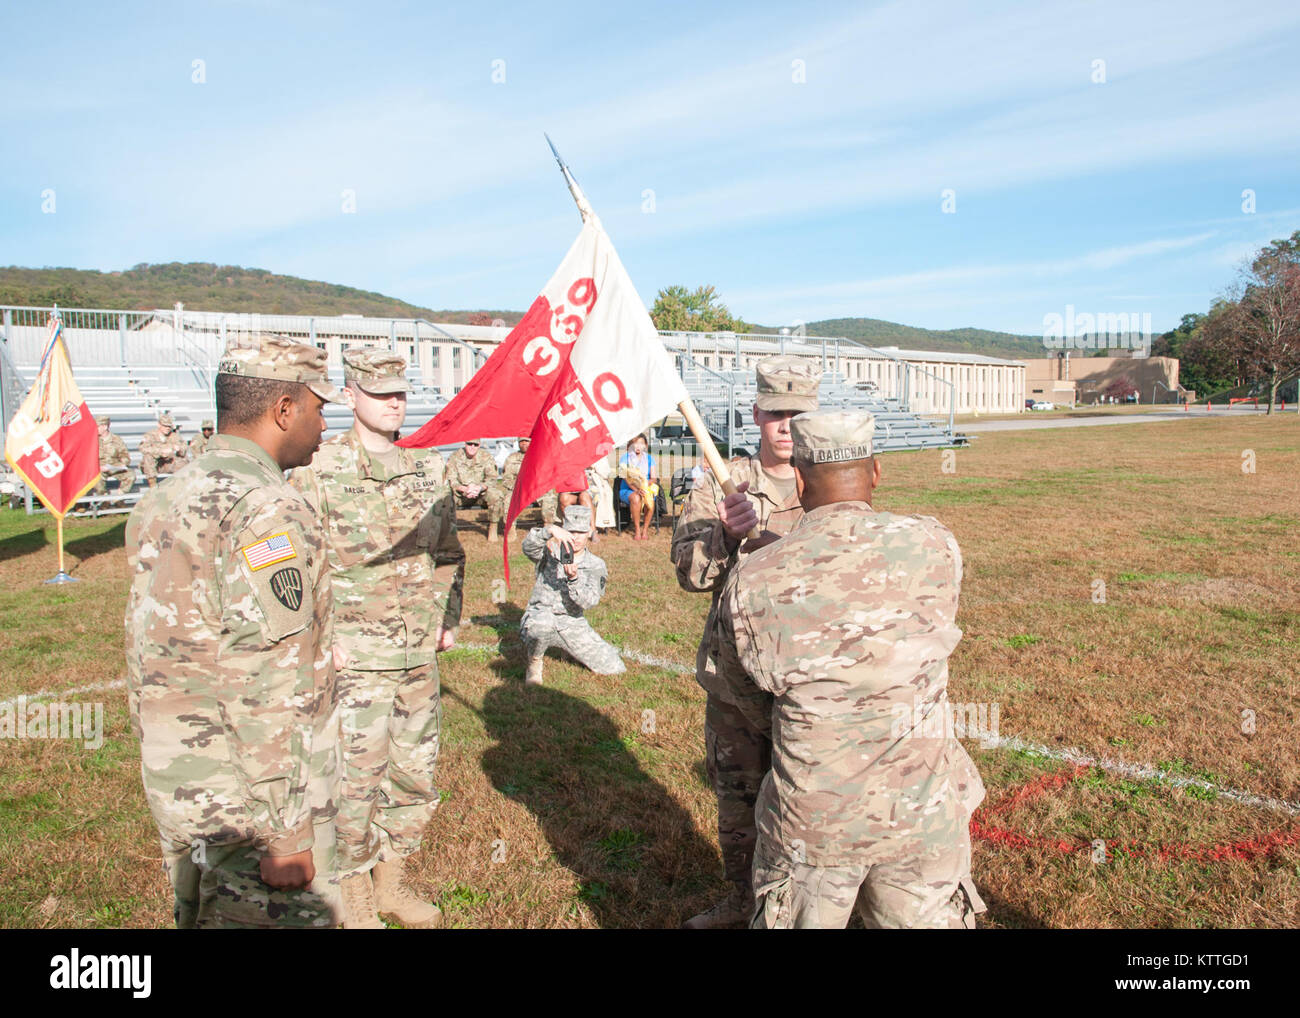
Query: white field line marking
{"points": [[60, 694], [1145, 772], [1070, 755], [1138, 772]]}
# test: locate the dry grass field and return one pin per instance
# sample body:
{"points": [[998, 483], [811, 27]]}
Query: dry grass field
{"points": [[562, 807]]}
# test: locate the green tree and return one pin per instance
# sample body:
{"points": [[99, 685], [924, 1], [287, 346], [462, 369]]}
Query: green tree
{"points": [[1260, 321], [677, 309], [1204, 364]]}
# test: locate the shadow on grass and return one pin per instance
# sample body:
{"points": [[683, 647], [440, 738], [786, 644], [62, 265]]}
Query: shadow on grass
{"points": [[1006, 915], [18, 545], [640, 859], [88, 547]]}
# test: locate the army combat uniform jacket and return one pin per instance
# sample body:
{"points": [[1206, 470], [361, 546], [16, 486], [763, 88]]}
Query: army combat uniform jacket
{"points": [[461, 470], [230, 680], [836, 640], [162, 453], [555, 612], [398, 567], [704, 554]]}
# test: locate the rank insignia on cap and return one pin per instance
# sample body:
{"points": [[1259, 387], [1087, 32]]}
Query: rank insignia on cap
{"points": [[276, 548]]}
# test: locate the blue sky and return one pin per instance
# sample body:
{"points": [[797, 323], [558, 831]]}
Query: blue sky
{"points": [[798, 200]]}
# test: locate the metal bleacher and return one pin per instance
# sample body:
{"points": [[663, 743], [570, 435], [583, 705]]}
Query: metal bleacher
{"points": [[135, 397], [720, 395], [134, 366]]}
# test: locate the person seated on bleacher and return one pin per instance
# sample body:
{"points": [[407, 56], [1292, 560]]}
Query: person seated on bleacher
{"points": [[638, 485], [200, 442], [114, 461], [162, 450], [474, 481], [550, 502]]}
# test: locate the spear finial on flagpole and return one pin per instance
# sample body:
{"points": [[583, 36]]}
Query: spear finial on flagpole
{"points": [[581, 199]]}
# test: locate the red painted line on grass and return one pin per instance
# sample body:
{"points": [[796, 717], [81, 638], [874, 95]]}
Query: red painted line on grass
{"points": [[1245, 850]]}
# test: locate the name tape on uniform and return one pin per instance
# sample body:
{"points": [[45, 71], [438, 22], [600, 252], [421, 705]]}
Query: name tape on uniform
{"points": [[851, 452]]}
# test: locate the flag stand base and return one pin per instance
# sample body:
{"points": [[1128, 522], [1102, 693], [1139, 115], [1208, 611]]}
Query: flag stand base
{"points": [[62, 577]]}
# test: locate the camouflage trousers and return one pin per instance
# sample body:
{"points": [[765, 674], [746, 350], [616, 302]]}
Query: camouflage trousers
{"points": [[391, 732], [152, 466], [493, 498], [550, 504], [219, 887], [542, 630], [912, 883], [737, 757], [125, 479]]}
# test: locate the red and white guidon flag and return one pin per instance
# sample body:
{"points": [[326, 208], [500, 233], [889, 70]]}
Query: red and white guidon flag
{"points": [[52, 441], [583, 372]]}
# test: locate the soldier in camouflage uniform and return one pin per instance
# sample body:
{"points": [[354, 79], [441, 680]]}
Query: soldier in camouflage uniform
{"points": [[711, 537], [200, 441], [397, 569], [550, 502], [230, 677], [162, 450], [561, 593], [114, 461], [835, 644], [474, 481]]}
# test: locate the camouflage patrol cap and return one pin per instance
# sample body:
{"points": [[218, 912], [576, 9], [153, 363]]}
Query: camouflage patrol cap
{"points": [[577, 519], [375, 370], [787, 383], [208, 423], [832, 436], [104, 420], [165, 421], [266, 355]]}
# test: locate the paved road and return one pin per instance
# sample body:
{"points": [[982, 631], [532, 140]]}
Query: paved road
{"points": [[1029, 421]]}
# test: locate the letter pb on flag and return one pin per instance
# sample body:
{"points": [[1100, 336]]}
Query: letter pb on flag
{"points": [[53, 442]]}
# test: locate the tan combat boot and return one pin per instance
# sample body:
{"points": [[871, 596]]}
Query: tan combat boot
{"points": [[492, 531], [533, 676], [398, 902], [359, 903], [735, 910]]}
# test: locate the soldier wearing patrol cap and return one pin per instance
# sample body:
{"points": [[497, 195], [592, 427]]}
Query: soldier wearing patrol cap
{"points": [[866, 806], [114, 460], [200, 441], [711, 538], [230, 677], [475, 482], [397, 569], [550, 502], [562, 592], [162, 450]]}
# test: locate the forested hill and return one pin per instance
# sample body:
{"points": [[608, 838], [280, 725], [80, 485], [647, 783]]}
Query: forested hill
{"points": [[202, 286]]}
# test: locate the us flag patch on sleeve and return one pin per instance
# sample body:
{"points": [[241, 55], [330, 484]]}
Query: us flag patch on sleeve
{"points": [[267, 552]]}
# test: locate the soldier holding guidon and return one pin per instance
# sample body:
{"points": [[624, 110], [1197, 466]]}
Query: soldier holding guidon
{"points": [[397, 569], [828, 644], [711, 538], [230, 678]]}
